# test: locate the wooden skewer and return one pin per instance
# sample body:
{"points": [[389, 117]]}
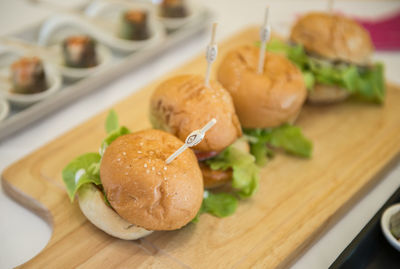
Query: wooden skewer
{"points": [[193, 139], [211, 54], [264, 37], [213, 32], [330, 6]]}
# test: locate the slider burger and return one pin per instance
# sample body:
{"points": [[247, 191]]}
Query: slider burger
{"points": [[267, 102], [334, 52], [184, 103], [128, 190]]}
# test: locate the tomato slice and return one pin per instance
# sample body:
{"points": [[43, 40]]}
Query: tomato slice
{"points": [[204, 155]]}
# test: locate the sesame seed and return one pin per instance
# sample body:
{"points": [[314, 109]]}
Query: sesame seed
{"points": [[165, 168], [153, 168], [159, 173], [145, 165], [147, 171], [141, 143], [124, 153], [139, 152]]}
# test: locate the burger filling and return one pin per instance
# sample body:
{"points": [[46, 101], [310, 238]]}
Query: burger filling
{"points": [[173, 9], [264, 142], [134, 25], [80, 51], [365, 82], [28, 76], [202, 156], [233, 165]]}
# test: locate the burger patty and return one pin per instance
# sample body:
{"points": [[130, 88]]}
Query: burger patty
{"points": [[217, 178], [214, 178]]}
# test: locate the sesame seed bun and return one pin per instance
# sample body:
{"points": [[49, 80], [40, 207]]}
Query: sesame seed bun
{"points": [[333, 37], [183, 104], [143, 189], [262, 100]]}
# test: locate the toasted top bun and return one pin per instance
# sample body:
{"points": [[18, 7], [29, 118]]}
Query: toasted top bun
{"points": [[333, 37], [143, 189], [262, 100], [183, 104]]}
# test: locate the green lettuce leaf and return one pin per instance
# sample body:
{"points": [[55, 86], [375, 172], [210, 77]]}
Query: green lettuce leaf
{"points": [[287, 137], [291, 139], [245, 175], [217, 204], [81, 171], [86, 168], [113, 130], [261, 152], [365, 82], [309, 79], [112, 121], [112, 136]]}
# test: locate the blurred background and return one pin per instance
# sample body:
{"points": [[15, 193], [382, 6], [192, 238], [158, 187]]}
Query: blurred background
{"points": [[23, 234]]}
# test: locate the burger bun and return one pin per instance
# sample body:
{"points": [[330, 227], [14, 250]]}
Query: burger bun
{"points": [[143, 189], [264, 100], [326, 94], [91, 202]]}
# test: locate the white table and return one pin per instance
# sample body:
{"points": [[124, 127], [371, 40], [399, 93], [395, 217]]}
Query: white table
{"points": [[23, 235]]}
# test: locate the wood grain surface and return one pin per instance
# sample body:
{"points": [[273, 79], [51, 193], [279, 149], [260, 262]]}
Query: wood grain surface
{"points": [[297, 200]]}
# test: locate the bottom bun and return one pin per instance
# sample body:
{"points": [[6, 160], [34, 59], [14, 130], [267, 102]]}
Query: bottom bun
{"points": [[217, 178], [92, 204], [327, 94]]}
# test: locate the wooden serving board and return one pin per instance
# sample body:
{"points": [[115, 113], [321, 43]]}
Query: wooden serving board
{"points": [[297, 200]]}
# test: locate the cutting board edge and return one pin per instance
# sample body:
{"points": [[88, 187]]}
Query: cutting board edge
{"points": [[27, 202]]}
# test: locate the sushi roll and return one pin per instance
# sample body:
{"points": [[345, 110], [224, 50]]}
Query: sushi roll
{"points": [[134, 25], [173, 9], [79, 51], [28, 76]]}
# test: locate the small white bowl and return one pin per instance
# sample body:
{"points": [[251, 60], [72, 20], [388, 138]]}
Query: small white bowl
{"points": [[174, 23], [4, 108], [107, 15], [22, 100], [53, 33], [385, 220], [52, 52]]}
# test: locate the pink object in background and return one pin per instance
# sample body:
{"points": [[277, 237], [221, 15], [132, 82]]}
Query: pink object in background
{"points": [[384, 31]]}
